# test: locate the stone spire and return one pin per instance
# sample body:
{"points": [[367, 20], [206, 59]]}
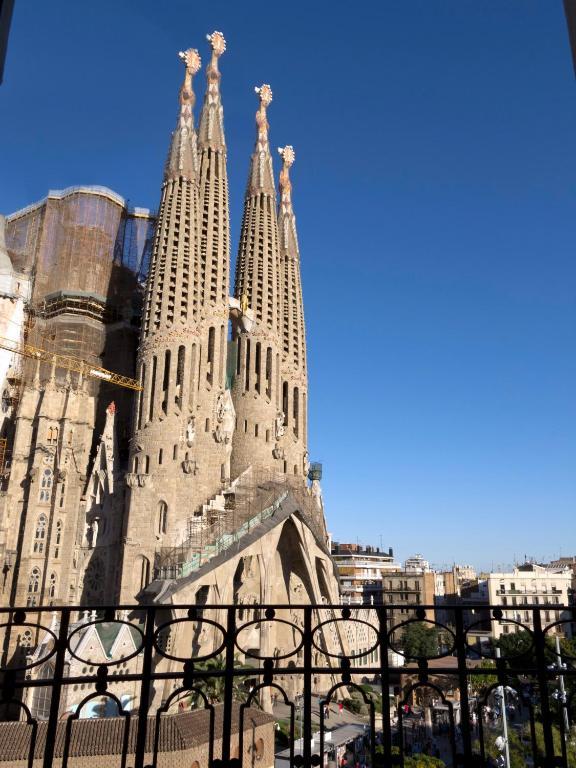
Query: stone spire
{"points": [[257, 275], [293, 360], [182, 157], [261, 177], [211, 127], [177, 454], [294, 335], [256, 390], [214, 260], [170, 299]]}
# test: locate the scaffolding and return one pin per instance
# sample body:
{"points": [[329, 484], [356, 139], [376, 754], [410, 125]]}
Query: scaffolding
{"points": [[247, 503]]}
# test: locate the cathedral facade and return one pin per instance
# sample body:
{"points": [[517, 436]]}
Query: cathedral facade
{"points": [[195, 488]]}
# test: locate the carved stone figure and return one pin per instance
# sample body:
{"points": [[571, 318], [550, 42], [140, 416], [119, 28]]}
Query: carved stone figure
{"points": [[279, 428], [225, 418], [190, 431], [190, 466]]}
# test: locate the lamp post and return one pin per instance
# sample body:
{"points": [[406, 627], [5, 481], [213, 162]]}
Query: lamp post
{"points": [[505, 747], [298, 700], [561, 694]]}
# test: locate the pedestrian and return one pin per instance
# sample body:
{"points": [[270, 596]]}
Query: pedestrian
{"points": [[340, 708]]}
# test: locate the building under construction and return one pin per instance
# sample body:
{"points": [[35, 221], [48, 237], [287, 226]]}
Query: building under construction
{"points": [[72, 268], [155, 421]]}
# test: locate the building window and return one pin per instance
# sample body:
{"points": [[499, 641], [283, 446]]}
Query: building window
{"points": [[33, 586], [42, 696], [295, 410], [210, 355], [285, 402], [52, 438], [166, 380], [162, 517], [179, 376], [45, 486], [52, 586], [58, 539], [144, 572], [40, 534]]}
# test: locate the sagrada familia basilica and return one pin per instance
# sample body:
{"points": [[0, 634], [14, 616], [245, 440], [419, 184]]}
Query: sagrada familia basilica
{"points": [[154, 427]]}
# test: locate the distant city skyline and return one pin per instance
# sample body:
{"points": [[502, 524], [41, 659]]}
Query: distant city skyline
{"points": [[434, 193]]}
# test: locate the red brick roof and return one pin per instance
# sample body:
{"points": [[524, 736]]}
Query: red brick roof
{"points": [[104, 736]]}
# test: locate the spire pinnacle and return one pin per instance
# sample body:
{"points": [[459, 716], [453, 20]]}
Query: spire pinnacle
{"points": [[182, 159], [286, 218], [211, 127], [192, 60], [265, 95], [261, 172], [288, 157], [218, 44]]}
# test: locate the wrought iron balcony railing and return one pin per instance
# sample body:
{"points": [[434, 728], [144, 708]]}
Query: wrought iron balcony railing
{"points": [[285, 685]]}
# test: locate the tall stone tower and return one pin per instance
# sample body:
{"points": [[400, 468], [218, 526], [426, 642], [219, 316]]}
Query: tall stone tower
{"points": [[293, 356], [256, 388], [180, 446]]}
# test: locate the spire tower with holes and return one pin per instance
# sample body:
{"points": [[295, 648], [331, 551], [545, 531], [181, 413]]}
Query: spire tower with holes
{"points": [[179, 453], [256, 391]]}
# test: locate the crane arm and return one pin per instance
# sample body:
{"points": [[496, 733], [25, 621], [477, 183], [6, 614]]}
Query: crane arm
{"points": [[70, 363]]}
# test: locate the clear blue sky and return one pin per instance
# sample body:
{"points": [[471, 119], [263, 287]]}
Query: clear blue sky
{"points": [[435, 190]]}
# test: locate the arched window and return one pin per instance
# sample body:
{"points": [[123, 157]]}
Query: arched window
{"points": [[285, 402], [257, 365], [52, 585], [162, 517], [296, 410], [210, 354], [141, 397], [57, 539], [179, 376], [144, 572], [33, 586], [166, 380], [40, 534], [269, 372], [42, 695], [46, 485], [152, 388], [94, 578]]}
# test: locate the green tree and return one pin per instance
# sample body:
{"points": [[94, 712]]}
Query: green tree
{"points": [[520, 745], [417, 761], [420, 639], [481, 683], [213, 687]]}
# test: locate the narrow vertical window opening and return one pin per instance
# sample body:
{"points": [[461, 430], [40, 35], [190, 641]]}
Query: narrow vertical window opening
{"points": [[285, 402], [179, 376], [152, 388]]}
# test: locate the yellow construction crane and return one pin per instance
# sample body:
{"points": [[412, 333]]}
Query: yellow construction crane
{"points": [[70, 363]]}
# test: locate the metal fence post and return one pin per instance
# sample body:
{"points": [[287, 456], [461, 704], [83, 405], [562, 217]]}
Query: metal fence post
{"points": [[145, 688], [61, 647]]}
